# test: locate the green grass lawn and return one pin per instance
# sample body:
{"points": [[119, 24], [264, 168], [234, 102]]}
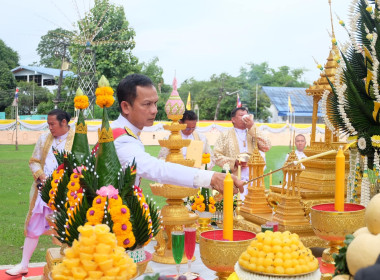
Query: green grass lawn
{"points": [[15, 182]]}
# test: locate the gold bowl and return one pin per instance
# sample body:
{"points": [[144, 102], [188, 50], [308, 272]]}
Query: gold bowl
{"points": [[333, 226], [221, 255], [172, 191]]}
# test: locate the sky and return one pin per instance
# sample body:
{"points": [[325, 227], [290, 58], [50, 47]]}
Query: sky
{"points": [[196, 38]]}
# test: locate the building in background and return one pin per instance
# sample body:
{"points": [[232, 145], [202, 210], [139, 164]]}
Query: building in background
{"points": [[301, 103], [44, 77]]}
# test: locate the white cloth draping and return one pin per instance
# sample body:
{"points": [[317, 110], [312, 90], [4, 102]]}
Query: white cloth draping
{"points": [[94, 125]]}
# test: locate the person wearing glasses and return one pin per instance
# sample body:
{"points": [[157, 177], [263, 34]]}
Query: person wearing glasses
{"points": [[190, 119], [238, 140]]}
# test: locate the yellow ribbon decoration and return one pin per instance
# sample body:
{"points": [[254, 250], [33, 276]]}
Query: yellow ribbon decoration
{"points": [[368, 81], [375, 109]]}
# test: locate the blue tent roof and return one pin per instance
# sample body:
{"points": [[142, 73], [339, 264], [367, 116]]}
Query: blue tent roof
{"points": [[44, 70], [302, 103]]}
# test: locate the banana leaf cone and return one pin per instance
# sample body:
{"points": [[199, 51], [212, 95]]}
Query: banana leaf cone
{"points": [[107, 163], [80, 148]]}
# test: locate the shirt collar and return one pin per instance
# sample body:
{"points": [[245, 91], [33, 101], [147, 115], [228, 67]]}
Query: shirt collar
{"points": [[240, 131], [128, 124], [62, 136]]}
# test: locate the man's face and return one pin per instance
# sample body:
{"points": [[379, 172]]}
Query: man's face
{"points": [[191, 125], [237, 121], [300, 143], [56, 128], [144, 109]]}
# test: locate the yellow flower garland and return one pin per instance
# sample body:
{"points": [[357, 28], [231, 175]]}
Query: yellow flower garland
{"points": [[81, 102]]}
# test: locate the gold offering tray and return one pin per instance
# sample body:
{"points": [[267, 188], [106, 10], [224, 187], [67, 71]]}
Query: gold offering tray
{"points": [[277, 275], [174, 144]]}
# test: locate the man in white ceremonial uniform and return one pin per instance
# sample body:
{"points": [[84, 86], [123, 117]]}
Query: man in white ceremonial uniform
{"points": [[42, 164], [190, 119], [300, 145], [138, 99], [239, 140]]}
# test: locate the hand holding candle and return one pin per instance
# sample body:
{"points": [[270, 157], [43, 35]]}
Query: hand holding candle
{"points": [[339, 180], [228, 208]]}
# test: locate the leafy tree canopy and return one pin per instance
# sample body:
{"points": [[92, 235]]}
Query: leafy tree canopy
{"points": [[8, 56]]}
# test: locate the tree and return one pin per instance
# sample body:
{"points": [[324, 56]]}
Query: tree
{"points": [[8, 56], [154, 72], [8, 60], [113, 42], [51, 48]]}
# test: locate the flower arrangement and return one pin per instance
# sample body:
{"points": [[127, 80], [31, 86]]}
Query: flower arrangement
{"points": [[104, 93], [82, 192], [80, 100]]}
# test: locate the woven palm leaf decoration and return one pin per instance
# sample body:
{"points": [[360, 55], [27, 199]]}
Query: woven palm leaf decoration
{"points": [[353, 107], [98, 190]]}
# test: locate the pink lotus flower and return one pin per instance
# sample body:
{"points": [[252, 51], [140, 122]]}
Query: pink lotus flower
{"points": [[109, 191]]}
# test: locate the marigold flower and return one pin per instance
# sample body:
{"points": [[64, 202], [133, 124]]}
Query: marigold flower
{"points": [[94, 215], [211, 200], [115, 202], [211, 208], [99, 202], [205, 158], [75, 177], [81, 102], [126, 241], [199, 199], [120, 213], [73, 186], [194, 206], [123, 228], [201, 207]]}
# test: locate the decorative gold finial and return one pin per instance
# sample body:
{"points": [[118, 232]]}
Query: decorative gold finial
{"points": [[331, 18]]}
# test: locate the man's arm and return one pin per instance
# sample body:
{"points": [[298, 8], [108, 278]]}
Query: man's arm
{"points": [[35, 163], [151, 168], [263, 143]]}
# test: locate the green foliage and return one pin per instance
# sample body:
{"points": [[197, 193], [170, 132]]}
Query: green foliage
{"points": [[208, 94], [51, 48], [115, 28], [340, 259], [8, 56]]}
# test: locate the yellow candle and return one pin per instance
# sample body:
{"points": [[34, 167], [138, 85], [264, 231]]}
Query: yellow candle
{"points": [[228, 207], [339, 181]]}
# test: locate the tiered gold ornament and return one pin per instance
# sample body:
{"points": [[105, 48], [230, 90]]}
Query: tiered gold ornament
{"points": [[256, 202], [174, 213]]}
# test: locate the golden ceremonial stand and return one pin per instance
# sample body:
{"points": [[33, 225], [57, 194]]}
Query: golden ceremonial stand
{"points": [[305, 188], [174, 214]]}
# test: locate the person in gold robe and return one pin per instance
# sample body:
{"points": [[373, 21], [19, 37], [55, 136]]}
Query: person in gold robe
{"points": [[42, 164], [240, 139]]}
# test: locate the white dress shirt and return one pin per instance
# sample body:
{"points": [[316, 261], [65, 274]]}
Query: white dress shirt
{"points": [[129, 148]]}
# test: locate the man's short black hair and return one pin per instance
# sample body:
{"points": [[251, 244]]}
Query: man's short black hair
{"points": [[233, 113], [189, 116], [126, 90], [60, 115]]}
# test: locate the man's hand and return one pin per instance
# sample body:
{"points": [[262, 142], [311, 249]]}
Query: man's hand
{"points": [[248, 121], [42, 179], [217, 183]]}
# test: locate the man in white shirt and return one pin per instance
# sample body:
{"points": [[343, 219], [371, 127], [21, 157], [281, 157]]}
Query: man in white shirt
{"points": [[190, 119], [300, 145], [138, 99]]}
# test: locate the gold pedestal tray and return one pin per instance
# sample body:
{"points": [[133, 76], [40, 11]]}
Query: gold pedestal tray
{"points": [[253, 222], [53, 257], [333, 226], [221, 255], [174, 216]]}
